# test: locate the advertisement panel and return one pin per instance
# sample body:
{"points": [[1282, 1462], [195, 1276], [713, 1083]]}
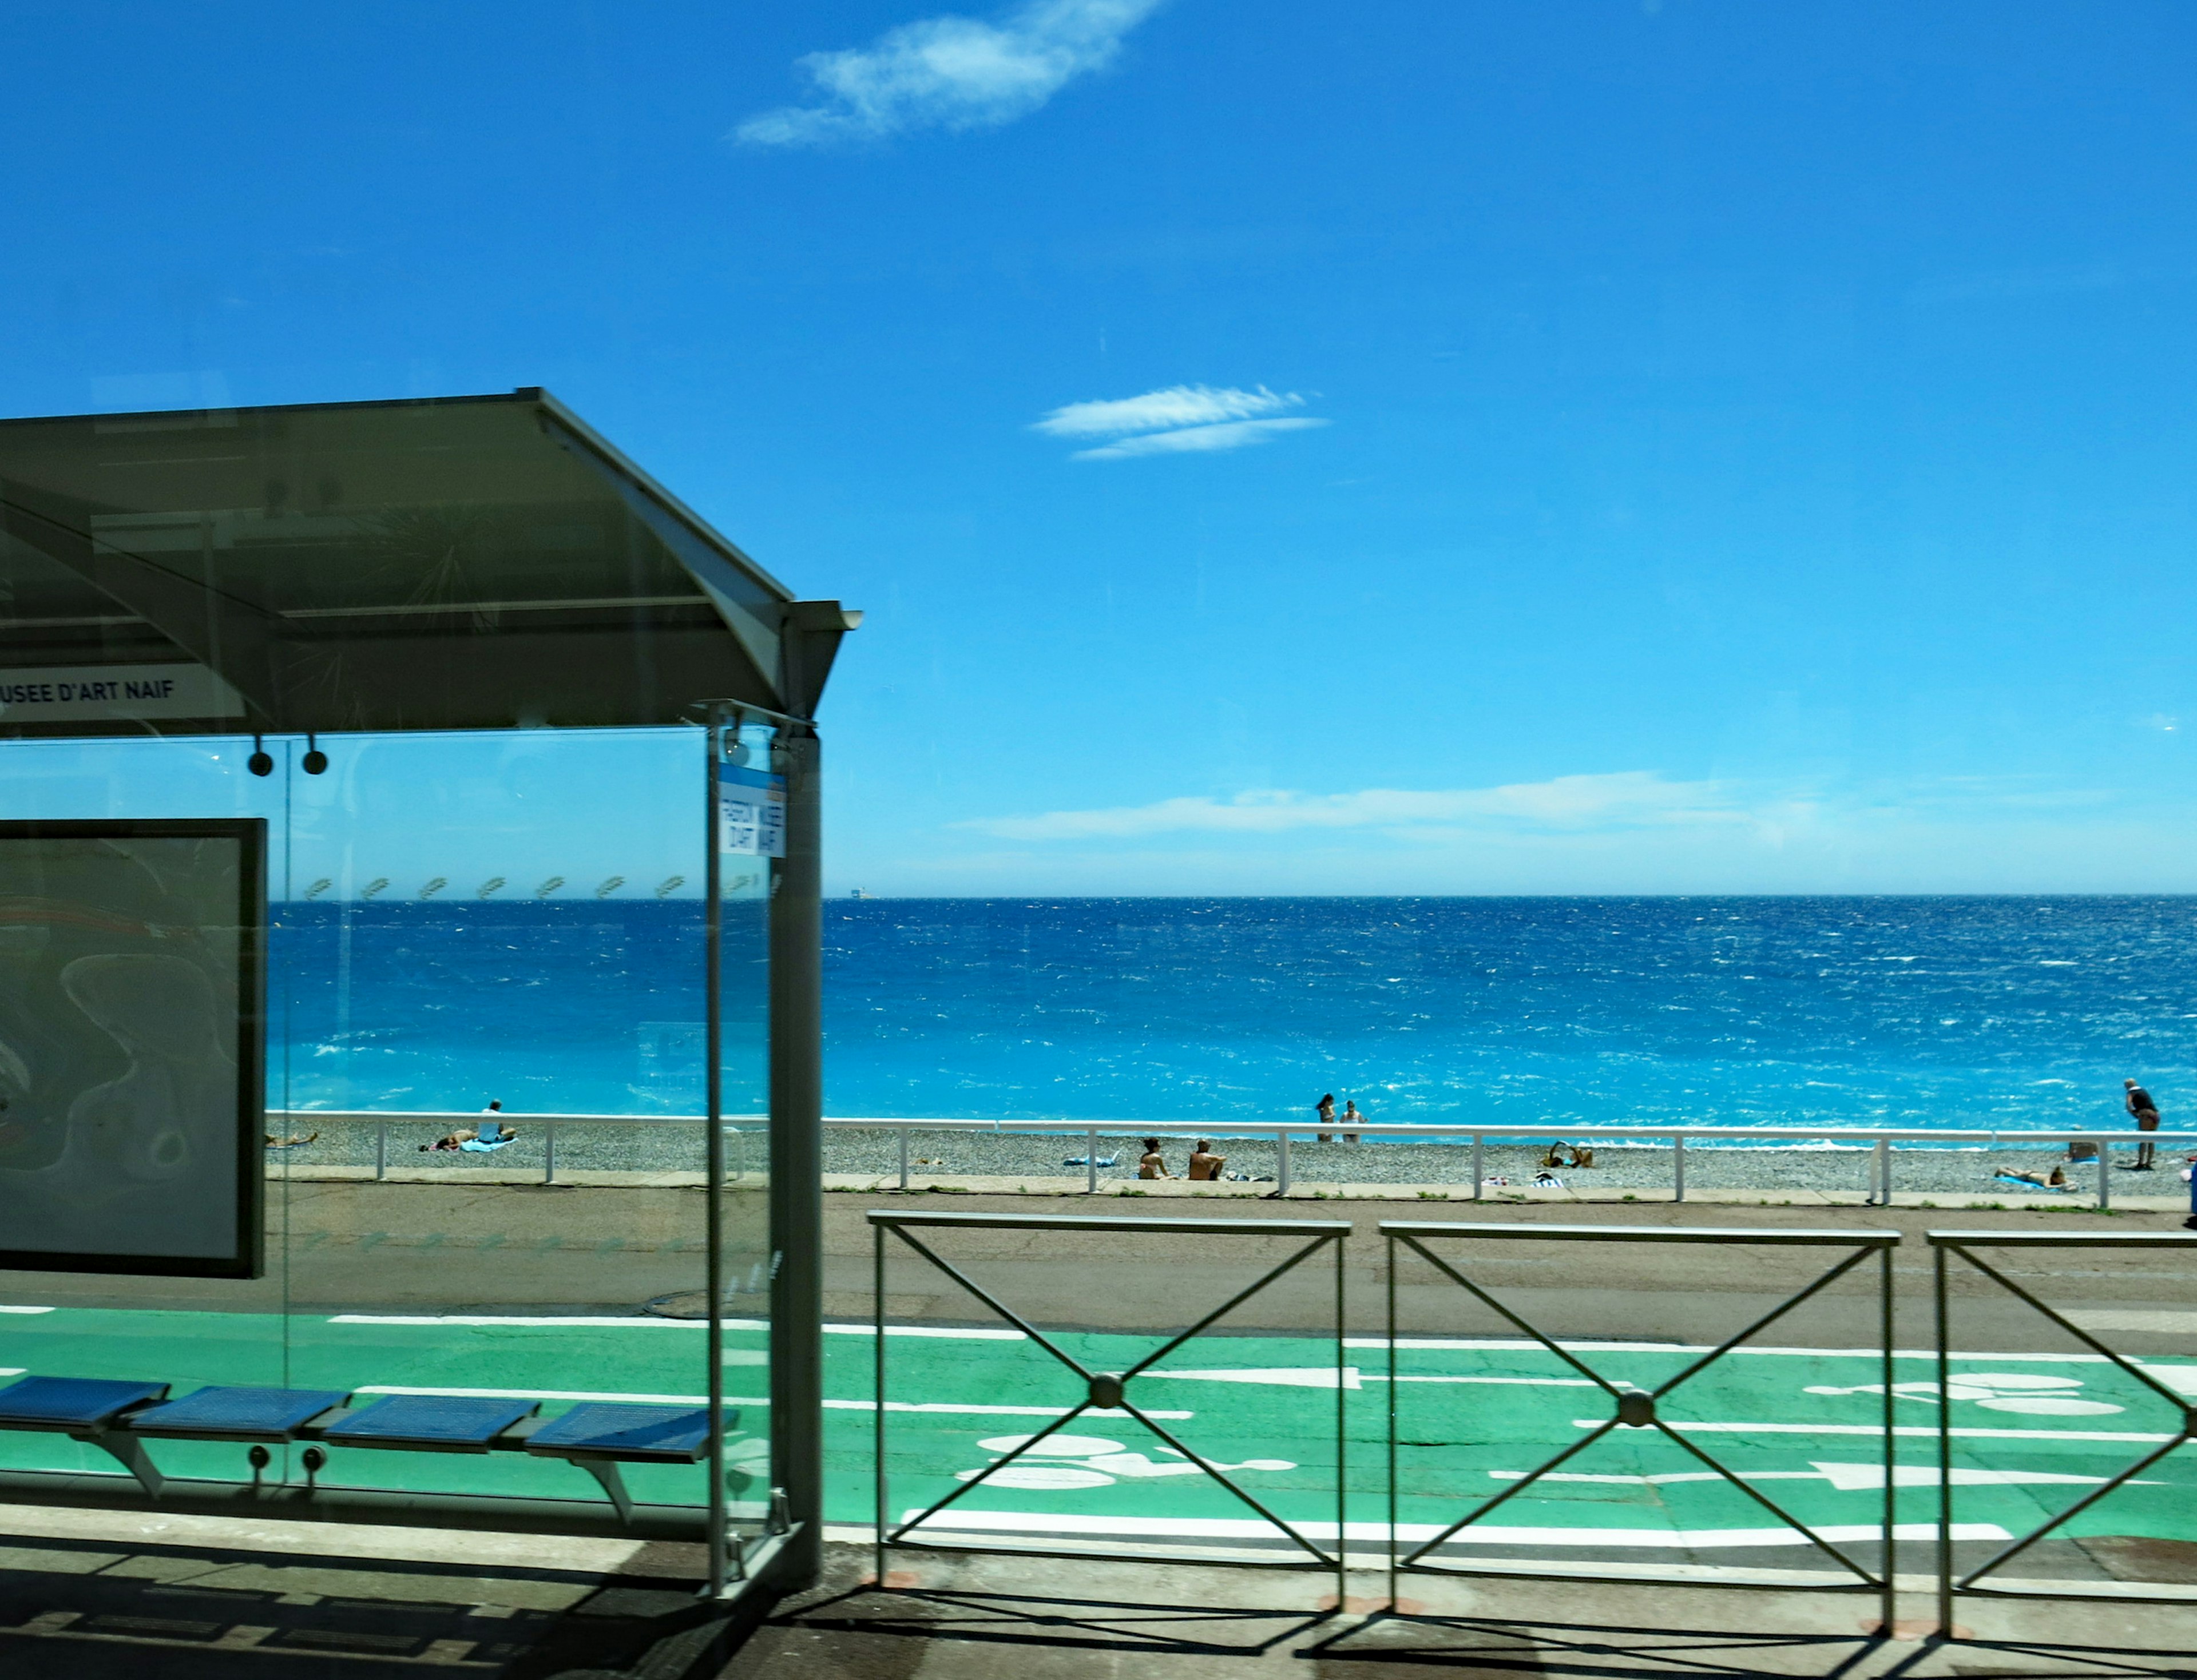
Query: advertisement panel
{"points": [[132, 1088]]}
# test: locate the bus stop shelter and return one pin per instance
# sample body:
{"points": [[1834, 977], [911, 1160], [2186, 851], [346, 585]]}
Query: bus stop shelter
{"points": [[380, 761]]}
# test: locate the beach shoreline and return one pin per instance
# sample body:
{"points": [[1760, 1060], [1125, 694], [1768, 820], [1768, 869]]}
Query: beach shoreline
{"points": [[872, 1153]]}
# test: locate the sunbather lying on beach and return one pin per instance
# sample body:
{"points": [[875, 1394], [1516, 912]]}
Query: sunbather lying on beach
{"points": [[290, 1143], [2056, 1180], [489, 1134]]}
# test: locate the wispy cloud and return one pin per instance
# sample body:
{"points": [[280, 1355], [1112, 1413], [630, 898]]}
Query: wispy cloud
{"points": [[1178, 405], [1630, 798], [952, 73], [1234, 435], [1180, 419]]}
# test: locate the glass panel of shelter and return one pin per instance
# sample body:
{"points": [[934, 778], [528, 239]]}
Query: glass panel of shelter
{"points": [[66, 1109], [750, 833], [516, 918]]}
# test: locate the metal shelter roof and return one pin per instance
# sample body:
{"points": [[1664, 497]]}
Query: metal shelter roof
{"points": [[453, 563]]}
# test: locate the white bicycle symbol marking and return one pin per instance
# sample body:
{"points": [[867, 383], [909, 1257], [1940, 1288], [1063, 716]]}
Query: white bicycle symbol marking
{"points": [[1995, 1391], [1097, 1464]]}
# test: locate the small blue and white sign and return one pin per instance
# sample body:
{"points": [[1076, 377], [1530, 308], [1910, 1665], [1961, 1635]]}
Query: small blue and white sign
{"points": [[750, 812]]}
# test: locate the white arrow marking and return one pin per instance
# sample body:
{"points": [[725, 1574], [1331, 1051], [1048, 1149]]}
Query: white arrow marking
{"points": [[1287, 1376]]}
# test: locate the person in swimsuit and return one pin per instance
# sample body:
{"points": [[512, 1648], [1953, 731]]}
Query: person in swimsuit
{"points": [[2147, 1119], [1154, 1164], [1204, 1163], [1351, 1117], [1325, 1110]]}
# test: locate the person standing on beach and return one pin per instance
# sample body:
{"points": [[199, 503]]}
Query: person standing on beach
{"points": [[2147, 1119], [1351, 1117], [1325, 1110]]}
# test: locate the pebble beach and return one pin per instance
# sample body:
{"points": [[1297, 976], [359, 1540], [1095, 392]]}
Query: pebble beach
{"points": [[660, 1146]]}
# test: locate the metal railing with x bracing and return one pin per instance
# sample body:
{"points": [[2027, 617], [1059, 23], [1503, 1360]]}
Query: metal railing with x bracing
{"points": [[1638, 1408], [1952, 1581], [1106, 1393]]}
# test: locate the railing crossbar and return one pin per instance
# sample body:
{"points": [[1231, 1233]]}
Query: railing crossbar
{"points": [[1006, 1312], [1765, 1322], [1195, 1458], [2015, 1548], [1516, 1487], [1408, 1233], [1322, 1234], [1773, 1507], [1227, 1307], [1957, 1242], [978, 1480], [2179, 1401], [1533, 1331]]}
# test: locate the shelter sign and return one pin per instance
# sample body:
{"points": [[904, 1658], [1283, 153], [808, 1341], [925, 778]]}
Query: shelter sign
{"points": [[750, 812], [132, 1088], [88, 693]]}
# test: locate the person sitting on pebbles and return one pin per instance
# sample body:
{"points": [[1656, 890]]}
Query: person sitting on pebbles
{"points": [[1154, 1164], [1204, 1163]]}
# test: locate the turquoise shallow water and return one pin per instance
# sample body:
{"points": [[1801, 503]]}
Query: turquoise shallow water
{"points": [[2012, 1012]]}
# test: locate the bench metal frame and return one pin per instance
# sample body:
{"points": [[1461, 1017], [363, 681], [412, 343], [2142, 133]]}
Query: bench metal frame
{"points": [[1953, 1583], [1109, 1390], [1636, 1408]]}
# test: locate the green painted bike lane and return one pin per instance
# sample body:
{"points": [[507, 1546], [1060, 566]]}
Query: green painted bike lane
{"points": [[2032, 1433]]}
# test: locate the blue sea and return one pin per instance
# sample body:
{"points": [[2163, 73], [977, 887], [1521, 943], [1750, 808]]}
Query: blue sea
{"points": [[1807, 1012]]}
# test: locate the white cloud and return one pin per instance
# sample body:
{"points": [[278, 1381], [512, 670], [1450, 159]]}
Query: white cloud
{"points": [[1180, 419], [952, 73], [1177, 405], [1631, 798], [1234, 435]]}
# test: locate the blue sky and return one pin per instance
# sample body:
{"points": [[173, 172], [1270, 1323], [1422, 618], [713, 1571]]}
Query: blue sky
{"points": [[1443, 447]]}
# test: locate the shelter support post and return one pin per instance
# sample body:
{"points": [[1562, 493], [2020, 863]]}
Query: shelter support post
{"points": [[797, 1162]]}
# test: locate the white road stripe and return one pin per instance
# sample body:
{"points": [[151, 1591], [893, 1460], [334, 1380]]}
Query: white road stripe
{"points": [[1521, 1344], [1915, 1429], [642, 1321], [961, 1520], [547, 1394]]}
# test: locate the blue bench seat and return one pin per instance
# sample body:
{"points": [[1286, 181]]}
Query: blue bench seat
{"points": [[118, 1416], [429, 1422], [94, 1410], [654, 1435], [223, 1414], [598, 1436]]}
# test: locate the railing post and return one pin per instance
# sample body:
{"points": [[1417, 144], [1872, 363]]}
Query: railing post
{"points": [[380, 1147], [1881, 1170], [1678, 1166], [902, 1131], [1281, 1168], [2105, 1177], [1478, 1162], [1091, 1161], [550, 1152]]}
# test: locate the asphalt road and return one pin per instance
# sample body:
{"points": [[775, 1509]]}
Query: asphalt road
{"points": [[458, 1248]]}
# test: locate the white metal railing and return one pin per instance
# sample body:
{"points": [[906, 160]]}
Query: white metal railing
{"points": [[1879, 1140]]}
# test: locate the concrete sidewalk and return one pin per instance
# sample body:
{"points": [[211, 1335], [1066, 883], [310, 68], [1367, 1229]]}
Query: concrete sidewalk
{"points": [[962, 1616], [1306, 1189]]}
